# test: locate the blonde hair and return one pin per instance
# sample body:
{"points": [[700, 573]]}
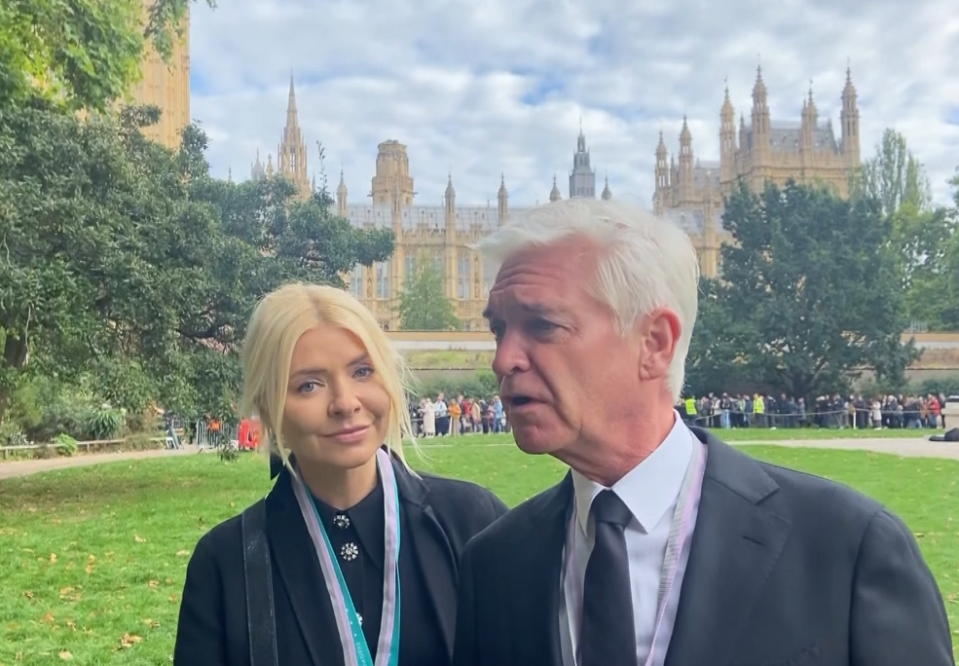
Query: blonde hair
{"points": [[278, 321]]}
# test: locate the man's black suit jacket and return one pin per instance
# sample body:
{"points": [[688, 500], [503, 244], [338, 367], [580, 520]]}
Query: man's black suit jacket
{"points": [[785, 569], [443, 514]]}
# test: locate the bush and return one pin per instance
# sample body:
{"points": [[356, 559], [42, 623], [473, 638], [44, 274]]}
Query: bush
{"points": [[12, 435], [105, 422], [65, 445], [481, 384]]}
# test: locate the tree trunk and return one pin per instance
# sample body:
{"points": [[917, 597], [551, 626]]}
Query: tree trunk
{"points": [[15, 349]]}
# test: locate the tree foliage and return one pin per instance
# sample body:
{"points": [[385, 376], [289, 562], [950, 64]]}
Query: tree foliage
{"points": [[126, 260], [813, 287], [920, 233], [82, 53], [423, 305]]}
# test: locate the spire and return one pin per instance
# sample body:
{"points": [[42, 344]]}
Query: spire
{"points": [[269, 166], [685, 136], [291, 159], [849, 117], [606, 195], [502, 186], [582, 179], [759, 89], [291, 102], [726, 112], [661, 148], [257, 172], [341, 188], [809, 105], [554, 194], [761, 122], [849, 90], [450, 195]]}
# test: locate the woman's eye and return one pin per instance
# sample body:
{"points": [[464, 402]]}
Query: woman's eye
{"points": [[307, 387], [364, 372]]}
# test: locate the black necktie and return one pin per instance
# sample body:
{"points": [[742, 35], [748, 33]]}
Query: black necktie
{"points": [[608, 635]]}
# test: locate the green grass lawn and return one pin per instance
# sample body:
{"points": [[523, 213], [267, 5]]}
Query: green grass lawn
{"points": [[755, 435], [94, 558]]}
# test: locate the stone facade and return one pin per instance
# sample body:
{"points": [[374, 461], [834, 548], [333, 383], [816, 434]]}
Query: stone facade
{"points": [[167, 86], [691, 192], [443, 234]]}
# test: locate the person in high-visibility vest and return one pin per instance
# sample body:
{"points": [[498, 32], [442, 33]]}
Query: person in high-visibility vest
{"points": [[759, 409], [691, 410]]}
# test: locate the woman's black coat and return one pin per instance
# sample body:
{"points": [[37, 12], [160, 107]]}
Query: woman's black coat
{"points": [[442, 514]]}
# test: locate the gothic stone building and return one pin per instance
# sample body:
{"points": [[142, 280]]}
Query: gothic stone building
{"points": [[691, 193], [442, 234]]}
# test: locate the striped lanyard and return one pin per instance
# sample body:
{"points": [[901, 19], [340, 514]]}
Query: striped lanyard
{"points": [[355, 650]]}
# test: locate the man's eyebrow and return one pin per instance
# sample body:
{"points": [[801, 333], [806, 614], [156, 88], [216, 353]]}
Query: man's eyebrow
{"points": [[529, 308]]}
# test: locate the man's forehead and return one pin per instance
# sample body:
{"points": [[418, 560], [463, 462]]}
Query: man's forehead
{"points": [[534, 302]]}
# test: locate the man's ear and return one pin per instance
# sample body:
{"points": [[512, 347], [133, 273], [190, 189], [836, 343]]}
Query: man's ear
{"points": [[657, 334]]}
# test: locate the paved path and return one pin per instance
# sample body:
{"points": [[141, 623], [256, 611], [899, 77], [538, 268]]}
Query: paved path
{"points": [[16, 468], [903, 447], [906, 446]]}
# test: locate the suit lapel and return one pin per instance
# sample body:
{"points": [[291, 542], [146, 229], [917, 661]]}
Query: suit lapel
{"points": [[295, 558], [735, 545], [431, 550], [538, 557]]}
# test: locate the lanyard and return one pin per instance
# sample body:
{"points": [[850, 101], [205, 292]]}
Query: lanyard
{"points": [[355, 650], [679, 530]]}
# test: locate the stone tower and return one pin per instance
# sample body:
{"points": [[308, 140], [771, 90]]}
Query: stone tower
{"points": [[392, 184], [686, 178], [502, 200], [554, 194], [167, 86], [582, 179], [765, 150], [291, 152], [850, 123]]}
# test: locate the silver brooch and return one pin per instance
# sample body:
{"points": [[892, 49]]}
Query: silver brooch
{"points": [[341, 520], [349, 552]]}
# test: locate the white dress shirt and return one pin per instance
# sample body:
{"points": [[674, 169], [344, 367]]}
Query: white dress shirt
{"points": [[650, 491]]}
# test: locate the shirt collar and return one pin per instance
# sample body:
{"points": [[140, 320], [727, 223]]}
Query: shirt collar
{"points": [[650, 488], [367, 517]]}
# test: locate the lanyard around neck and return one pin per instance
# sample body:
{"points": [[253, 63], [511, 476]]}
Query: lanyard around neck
{"points": [[355, 650]]}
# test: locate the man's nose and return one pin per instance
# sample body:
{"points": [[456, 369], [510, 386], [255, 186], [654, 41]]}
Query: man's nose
{"points": [[511, 355]]}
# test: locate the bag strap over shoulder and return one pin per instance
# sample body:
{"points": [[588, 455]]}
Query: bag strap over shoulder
{"points": [[258, 574]]}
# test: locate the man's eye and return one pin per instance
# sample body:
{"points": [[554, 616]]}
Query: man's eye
{"points": [[542, 325]]}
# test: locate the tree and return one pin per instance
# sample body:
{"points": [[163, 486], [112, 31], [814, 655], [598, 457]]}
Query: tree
{"points": [[894, 177], [123, 259], [423, 306], [815, 286], [712, 364], [82, 53], [919, 231]]}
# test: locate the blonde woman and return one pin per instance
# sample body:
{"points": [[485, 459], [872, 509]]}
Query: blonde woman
{"points": [[352, 559]]}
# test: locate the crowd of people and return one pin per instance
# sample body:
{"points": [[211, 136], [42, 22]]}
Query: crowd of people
{"points": [[458, 416], [835, 411]]}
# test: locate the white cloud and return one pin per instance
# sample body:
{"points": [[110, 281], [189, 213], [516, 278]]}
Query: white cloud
{"points": [[454, 81]]}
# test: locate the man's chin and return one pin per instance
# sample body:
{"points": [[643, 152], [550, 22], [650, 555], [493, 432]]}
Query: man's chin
{"points": [[533, 441]]}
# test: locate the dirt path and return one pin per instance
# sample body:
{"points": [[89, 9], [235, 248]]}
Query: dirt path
{"points": [[901, 447], [9, 470]]}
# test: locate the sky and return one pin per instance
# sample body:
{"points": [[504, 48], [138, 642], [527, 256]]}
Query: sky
{"points": [[486, 88]]}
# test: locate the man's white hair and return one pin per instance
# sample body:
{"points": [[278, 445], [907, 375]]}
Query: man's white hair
{"points": [[645, 263]]}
